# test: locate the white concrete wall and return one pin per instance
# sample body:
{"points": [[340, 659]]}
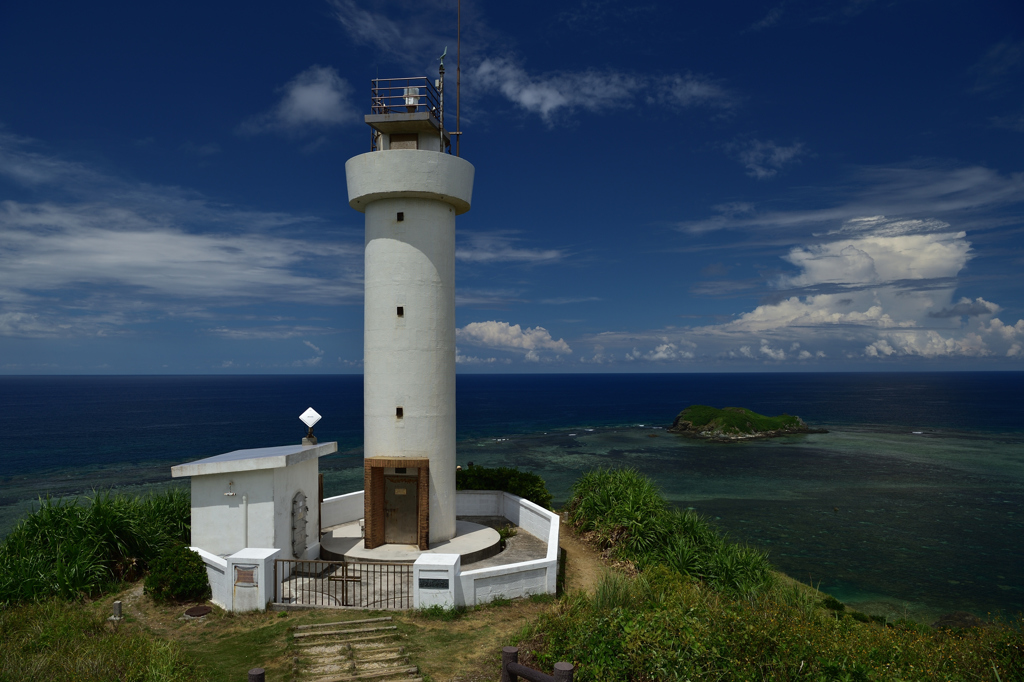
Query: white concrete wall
{"points": [[253, 597], [342, 509], [428, 567], [409, 173], [288, 481], [538, 576], [217, 573], [409, 361], [217, 520]]}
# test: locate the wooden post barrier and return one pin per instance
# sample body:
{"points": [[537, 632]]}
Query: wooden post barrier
{"points": [[257, 675], [511, 670]]}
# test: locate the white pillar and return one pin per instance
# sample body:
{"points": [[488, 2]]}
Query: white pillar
{"points": [[410, 199]]}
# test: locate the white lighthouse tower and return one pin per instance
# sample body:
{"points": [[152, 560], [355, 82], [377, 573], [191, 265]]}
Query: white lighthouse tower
{"points": [[410, 188]]}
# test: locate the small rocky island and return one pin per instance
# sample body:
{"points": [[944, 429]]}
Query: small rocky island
{"points": [[735, 423]]}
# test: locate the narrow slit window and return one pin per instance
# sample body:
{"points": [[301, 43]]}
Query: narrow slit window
{"points": [[399, 412], [401, 216], [401, 311]]}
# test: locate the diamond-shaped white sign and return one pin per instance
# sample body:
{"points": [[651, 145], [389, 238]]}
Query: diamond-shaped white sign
{"points": [[309, 417]]}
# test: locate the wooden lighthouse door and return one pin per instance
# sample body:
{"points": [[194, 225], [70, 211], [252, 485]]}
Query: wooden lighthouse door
{"points": [[400, 506]]}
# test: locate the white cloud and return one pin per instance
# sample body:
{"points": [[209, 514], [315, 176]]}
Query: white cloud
{"points": [[505, 336], [912, 193], [461, 359], [102, 253], [876, 259], [594, 90], [879, 288], [314, 99], [764, 159], [499, 247], [664, 352]]}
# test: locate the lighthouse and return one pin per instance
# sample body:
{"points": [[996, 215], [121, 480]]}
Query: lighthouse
{"points": [[410, 187]]}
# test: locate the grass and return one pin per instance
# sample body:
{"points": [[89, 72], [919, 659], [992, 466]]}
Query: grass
{"points": [[624, 512], [700, 607], [80, 547], [661, 625], [60, 640], [733, 420]]}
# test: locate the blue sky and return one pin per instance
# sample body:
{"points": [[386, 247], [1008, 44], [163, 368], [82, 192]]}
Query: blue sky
{"points": [[745, 186]]}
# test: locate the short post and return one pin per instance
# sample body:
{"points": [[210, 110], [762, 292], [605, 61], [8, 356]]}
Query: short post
{"points": [[117, 610], [257, 675], [563, 671], [509, 654]]}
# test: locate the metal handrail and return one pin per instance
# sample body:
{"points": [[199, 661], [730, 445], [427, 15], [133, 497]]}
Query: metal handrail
{"points": [[405, 95]]}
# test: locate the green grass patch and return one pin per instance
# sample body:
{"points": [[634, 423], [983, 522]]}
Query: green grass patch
{"points": [[733, 420], [60, 640], [661, 626]]}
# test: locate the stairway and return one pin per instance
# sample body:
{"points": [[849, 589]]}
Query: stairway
{"points": [[361, 650]]}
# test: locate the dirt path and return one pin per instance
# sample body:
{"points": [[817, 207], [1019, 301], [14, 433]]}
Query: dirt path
{"points": [[583, 565], [468, 649]]}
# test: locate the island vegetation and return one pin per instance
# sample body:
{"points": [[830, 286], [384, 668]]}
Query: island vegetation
{"points": [[735, 423]]}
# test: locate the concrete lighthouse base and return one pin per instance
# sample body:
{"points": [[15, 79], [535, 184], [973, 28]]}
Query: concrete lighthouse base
{"points": [[472, 541]]}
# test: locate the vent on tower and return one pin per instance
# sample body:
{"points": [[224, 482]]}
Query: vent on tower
{"points": [[401, 311], [399, 412], [401, 216]]}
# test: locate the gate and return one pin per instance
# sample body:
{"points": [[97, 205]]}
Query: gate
{"points": [[361, 585]]}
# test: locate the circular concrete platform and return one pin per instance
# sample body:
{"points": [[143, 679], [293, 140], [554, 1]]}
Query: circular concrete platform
{"points": [[472, 541]]}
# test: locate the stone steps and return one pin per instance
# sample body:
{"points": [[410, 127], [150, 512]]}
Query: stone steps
{"points": [[337, 652]]}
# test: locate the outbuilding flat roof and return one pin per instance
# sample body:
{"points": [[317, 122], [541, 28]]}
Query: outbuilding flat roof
{"points": [[256, 458]]}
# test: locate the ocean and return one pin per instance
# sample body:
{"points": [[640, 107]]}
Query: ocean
{"points": [[910, 505]]}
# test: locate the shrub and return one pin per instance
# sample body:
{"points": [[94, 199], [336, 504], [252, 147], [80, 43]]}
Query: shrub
{"points": [[628, 515], [525, 484], [75, 548], [178, 574]]}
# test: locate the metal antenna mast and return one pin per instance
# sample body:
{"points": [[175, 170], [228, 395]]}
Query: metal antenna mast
{"points": [[458, 79]]}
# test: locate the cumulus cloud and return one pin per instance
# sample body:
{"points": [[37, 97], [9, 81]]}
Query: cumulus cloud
{"points": [[511, 337], [316, 98], [875, 259], [875, 288], [966, 306]]}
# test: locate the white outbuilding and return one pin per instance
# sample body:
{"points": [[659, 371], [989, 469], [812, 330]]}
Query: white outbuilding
{"points": [[250, 507]]}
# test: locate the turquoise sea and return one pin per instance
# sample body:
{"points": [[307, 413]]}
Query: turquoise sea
{"points": [[910, 505]]}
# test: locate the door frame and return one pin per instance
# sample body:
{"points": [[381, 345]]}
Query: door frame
{"points": [[373, 498]]}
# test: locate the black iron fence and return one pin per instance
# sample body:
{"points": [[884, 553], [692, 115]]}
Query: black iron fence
{"points": [[341, 583]]}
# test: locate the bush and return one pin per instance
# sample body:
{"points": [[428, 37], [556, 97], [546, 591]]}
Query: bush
{"points": [[525, 484], [76, 548], [628, 515], [178, 574]]}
